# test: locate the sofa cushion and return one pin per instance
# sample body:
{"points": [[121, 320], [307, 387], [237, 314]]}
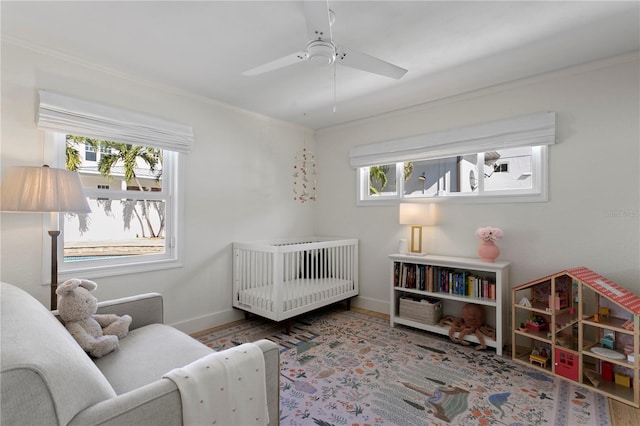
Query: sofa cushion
{"points": [[146, 354], [44, 370]]}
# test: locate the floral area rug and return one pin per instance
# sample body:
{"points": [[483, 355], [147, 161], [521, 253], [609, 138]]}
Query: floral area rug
{"points": [[347, 368]]}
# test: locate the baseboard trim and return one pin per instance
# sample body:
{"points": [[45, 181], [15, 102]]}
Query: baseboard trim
{"points": [[379, 306], [205, 322]]}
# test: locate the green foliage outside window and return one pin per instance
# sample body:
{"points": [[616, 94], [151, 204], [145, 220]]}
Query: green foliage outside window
{"points": [[378, 177], [125, 155]]}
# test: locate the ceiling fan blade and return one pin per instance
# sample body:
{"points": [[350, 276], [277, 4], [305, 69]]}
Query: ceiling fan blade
{"points": [[362, 61], [285, 61], [317, 15]]}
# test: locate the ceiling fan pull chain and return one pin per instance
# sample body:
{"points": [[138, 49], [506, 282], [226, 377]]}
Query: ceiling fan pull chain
{"points": [[334, 88]]}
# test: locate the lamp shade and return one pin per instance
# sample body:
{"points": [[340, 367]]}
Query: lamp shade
{"points": [[417, 214], [43, 189]]}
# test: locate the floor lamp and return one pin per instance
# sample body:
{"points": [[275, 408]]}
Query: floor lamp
{"points": [[44, 190]]}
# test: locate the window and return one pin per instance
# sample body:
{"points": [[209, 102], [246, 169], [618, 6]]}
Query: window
{"points": [[510, 169], [434, 177], [128, 222], [105, 149], [130, 176], [133, 224], [501, 168], [89, 152], [380, 182], [492, 162]]}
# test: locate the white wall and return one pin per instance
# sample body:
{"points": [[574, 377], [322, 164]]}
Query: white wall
{"points": [[593, 213], [237, 182]]}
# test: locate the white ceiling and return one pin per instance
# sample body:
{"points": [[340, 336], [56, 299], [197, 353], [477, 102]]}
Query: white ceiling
{"points": [[449, 47]]}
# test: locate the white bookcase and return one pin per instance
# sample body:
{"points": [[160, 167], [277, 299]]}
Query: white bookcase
{"points": [[434, 273]]}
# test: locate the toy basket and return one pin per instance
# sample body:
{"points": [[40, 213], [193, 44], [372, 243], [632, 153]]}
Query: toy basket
{"points": [[425, 311]]}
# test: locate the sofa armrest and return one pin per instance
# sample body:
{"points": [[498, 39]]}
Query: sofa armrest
{"points": [[272, 366], [159, 403], [144, 309]]}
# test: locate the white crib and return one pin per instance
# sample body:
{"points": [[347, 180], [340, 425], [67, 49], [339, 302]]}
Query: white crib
{"points": [[281, 279]]}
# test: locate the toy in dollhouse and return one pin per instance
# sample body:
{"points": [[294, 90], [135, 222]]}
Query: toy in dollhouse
{"points": [[628, 343], [539, 356], [628, 324], [628, 352], [608, 339], [606, 371], [525, 302], [622, 379], [560, 300], [609, 374], [537, 323]]}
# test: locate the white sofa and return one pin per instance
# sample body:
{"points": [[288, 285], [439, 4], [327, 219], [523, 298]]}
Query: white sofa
{"points": [[47, 379]]}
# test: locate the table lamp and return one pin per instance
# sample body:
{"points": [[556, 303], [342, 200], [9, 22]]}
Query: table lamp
{"points": [[417, 215], [44, 190]]}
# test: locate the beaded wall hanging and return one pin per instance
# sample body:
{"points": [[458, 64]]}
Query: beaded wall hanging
{"points": [[304, 176]]}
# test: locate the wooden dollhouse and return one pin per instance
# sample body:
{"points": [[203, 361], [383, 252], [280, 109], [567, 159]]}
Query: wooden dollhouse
{"points": [[582, 327]]}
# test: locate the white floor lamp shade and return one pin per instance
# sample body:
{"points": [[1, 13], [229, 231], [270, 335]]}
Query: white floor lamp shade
{"points": [[44, 190]]}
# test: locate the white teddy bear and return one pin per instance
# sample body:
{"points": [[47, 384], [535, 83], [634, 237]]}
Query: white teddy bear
{"points": [[97, 334]]}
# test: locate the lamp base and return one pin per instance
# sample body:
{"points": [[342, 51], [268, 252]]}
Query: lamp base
{"points": [[54, 269], [416, 240]]}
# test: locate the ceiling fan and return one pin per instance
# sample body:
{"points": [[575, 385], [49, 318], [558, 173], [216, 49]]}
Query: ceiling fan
{"points": [[322, 50]]}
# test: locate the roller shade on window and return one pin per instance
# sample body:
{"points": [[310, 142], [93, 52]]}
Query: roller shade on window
{"points": [[530, 130], [89, 119]]}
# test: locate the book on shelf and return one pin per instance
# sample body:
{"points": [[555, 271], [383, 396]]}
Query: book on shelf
{"points": [[435, 279]]}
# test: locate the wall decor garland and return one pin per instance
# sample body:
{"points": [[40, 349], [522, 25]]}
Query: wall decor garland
{"points": [[304, 176]]}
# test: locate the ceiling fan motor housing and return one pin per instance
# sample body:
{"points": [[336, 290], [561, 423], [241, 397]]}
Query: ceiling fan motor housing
{"points": [[321, 52]]}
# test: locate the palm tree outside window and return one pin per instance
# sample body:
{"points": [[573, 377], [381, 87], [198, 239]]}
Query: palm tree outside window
{"points": [[129, 213]]}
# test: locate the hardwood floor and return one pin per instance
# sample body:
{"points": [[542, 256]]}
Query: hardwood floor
{"points": [[621, 414]]}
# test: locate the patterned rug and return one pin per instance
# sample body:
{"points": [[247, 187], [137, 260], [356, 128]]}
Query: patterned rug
{"points": [[347, 368]]}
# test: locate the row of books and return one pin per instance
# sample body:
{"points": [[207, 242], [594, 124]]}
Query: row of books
{"points": [[437, 279]]}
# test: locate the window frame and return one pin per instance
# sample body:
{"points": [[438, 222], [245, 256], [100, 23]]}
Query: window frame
{"points": [[364, 186], [535, 130], [173, 195], [537, 193]]}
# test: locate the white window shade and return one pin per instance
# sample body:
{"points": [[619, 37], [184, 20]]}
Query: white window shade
{"points": [[65, 114], [530, 130]]}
